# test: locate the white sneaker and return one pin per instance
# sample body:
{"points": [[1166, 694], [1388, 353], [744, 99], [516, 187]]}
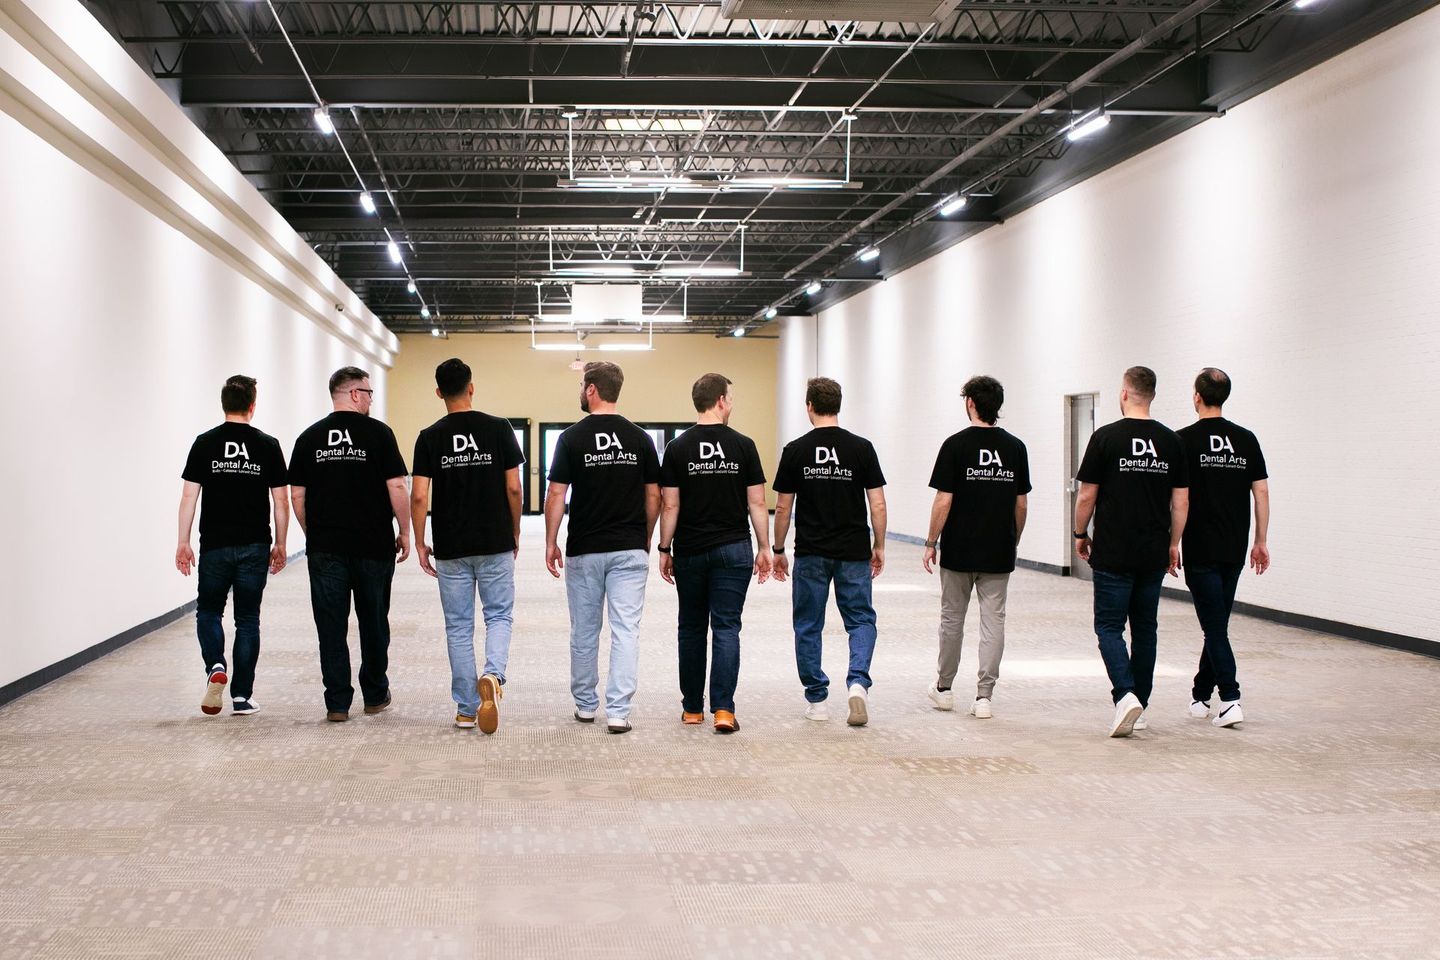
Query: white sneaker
{"points": [[1229, 715], [244, 706], [859, 712], [617, 725], [817, 711], [980, 709], [943, 699], [1199, 709], [1127, 711], [1141, 723]]}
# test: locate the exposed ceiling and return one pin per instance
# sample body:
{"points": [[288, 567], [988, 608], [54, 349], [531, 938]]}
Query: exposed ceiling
{"points": [[476, 125]]}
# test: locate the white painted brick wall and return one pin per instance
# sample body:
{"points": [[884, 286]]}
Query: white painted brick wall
{"points": [[1294, 243]]}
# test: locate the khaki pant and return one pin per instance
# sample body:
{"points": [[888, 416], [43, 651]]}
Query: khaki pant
{"points": [[955, 590]]}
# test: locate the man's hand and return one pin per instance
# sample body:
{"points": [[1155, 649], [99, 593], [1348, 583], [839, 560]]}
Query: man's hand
{"points": [[1174, 568], [1260, 558], [764, 563], [422, 556], [402, 547], [781, 568], [927, 560], [667, 568], [554, 560], [278, 558], [184, 558], [877, 562], [1082, 547]]}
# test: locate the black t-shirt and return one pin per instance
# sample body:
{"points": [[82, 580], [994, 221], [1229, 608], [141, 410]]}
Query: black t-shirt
{"points": [[466, 456], [713, 467], [607, 461], [986, 469], [1136, 463], [829, 470], [1224, 460], [343, 462], [236, 466]]}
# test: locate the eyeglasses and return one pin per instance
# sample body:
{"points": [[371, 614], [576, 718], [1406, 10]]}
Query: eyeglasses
{"points": [[361, 390]]}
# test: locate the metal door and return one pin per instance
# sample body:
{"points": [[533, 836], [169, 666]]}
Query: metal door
{"points": [[1079, 425]]}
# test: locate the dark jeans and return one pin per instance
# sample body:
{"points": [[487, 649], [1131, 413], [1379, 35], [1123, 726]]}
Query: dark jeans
{"points": [[809, 593], [1212, 586], [1136, 597], [711, 587], [243, 570], [333, 579]]}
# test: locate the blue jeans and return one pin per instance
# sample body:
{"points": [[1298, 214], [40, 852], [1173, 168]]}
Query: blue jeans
{"points": [[594, 581], [711, 587], [1212, 587], [1136, 597], [809, 592], [493, 577], [221, 570], [333, 579]]}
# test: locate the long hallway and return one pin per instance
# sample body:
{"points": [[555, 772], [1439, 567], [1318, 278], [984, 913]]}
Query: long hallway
{"points": [[133, 826]]}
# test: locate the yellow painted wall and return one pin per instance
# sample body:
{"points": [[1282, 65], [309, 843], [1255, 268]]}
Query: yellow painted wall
{"points": [[512, 380]]}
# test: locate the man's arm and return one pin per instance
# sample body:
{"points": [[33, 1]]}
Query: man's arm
{"points": [[419, 507], [554, 513], [939, 513], [877, 522], [297, 505], [184, 556], [1179, 510], [669, 519], [1260, 553], [400, 504], [1022, 510], [760, 521], [513, 493], [652, 511], [1084, 511], [783, 504], [280, 504]]}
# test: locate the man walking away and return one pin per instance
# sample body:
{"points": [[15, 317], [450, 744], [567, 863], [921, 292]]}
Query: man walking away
{"points": [[833, 473], [236, 466], [711, 483], [472, 462], [615, 473], [1133, 482], [1227, 468], [347, 483], [981, 479]]}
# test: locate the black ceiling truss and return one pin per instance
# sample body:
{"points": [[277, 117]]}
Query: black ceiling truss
{"points": [[455, 114]]}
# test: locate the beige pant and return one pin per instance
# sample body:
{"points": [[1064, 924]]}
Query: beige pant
{"points": [[955, 590]]}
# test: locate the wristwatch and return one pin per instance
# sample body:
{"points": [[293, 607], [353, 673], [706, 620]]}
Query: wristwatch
{"points": [[932, 544], [662, 549], [1082, 536], [778, 551]]}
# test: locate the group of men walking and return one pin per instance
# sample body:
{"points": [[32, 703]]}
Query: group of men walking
{"points": [[1144, 492]]}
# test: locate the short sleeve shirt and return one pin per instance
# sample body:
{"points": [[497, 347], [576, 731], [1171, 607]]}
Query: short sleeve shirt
{"points": [[829, 471], [607, 461], [466, 455], [713, 467], [236, 466], [985, 469], [1224, 460], [344, 462], [1136, 463]]}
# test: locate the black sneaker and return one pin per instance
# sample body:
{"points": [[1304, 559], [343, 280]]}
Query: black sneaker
{"points": [[243, 706]]}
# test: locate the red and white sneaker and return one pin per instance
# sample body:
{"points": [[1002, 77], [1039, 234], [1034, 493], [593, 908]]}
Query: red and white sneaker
{"points": [[214, 691]]}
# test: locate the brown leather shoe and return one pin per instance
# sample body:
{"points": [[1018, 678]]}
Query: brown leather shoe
{"points": [[692, 718], [378, 707], [337, 716], [725, 722], [490, 695]]}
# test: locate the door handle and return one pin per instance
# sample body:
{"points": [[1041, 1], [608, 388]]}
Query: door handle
{"points": [[1072, 485]]}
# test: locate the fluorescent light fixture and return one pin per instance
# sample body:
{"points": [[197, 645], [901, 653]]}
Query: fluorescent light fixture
{"points": [[620, 271], [738, 332], [953, 204], [410, 287], [1081, 129], [560, 347], [623, 182], [1302, 4], [869, 253], [632, 347], [367, 202], [770, 314], [814, 287], [567, 318], [425, 312], [393, 249], [569, 113], [643, 124], [669, 221], [323, 121], [698, 272]]}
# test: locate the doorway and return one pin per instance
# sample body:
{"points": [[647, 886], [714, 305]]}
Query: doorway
{"points": [[521, 426], [1079, 425]]}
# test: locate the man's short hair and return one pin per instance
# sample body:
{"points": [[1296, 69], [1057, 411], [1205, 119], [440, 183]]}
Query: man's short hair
{"points": [[607, 379], [342, 378], [987, 395], [1141, 382], [1213, 385], [823, 395], [452, 377], [708, 390], [238, 394]]}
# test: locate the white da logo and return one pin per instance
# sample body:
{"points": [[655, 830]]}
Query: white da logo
{"points": [[233, 450], [338, 437], [826, 455], [710, 451], [604, 441], [464, 442], [1217, 444], [1139, 447], [990, 458]]}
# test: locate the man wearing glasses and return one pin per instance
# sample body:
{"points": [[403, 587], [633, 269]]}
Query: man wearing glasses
{"points": [[347, 485]]}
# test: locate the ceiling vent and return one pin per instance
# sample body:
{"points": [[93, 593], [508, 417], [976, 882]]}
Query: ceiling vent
{"points": [[869, 11]]}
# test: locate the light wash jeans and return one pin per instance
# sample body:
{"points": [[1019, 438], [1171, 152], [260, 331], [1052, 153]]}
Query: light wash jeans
{"points": [[493, 577], [593, 581]]}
